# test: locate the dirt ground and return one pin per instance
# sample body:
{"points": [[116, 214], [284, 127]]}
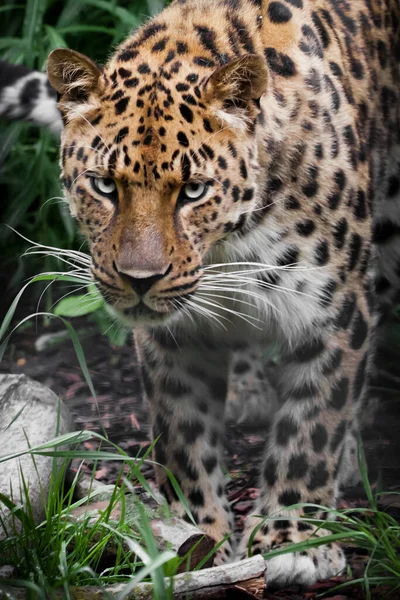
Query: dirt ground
{"points": [[120, 410]]}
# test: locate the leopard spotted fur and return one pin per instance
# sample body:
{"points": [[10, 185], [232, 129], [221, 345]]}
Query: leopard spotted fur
{"points": [[236, 169]]}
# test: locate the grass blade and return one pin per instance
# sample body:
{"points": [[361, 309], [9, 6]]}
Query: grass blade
{"points": [[75, 341]]}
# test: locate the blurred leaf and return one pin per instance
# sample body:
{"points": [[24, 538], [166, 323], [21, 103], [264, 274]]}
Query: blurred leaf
{"points": [[7, 42], [126, 16], [77, 306], [11, 7], [32, 22], [70, 13], [155, 6], [55, 38], [86, 29]]}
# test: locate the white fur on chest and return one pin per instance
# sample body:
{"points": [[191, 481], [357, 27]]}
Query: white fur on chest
{"points": [[232, 290]]}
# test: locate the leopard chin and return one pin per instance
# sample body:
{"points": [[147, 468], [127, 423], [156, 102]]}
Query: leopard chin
{"points": [[139, 315]]}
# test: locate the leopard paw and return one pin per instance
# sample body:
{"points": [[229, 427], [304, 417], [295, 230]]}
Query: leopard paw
{"points": [[307, 567], [304, 568]]}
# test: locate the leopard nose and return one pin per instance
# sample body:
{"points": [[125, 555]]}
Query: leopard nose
{"points": [[141, 281]]}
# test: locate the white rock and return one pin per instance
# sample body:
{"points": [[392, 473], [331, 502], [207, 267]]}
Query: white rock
{"points": [[28, 417]]}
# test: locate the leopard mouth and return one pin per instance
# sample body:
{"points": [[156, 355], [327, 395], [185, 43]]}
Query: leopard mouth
{"points": [[141, 314], [155, 309]]}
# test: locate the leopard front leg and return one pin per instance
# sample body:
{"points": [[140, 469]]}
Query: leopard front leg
{"points": [[186, 383], [321, 384]]}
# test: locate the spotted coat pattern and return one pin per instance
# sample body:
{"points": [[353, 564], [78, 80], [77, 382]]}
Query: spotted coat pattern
{"points": [[285, 114]]}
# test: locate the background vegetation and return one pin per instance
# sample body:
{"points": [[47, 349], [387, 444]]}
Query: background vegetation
{"points": [[31, 200]]}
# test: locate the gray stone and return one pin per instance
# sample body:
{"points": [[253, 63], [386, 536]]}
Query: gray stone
{"points": [[7, 572], [29, 412]]}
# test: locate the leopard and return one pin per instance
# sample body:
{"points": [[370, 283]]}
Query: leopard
{"points": [[235, 169]]}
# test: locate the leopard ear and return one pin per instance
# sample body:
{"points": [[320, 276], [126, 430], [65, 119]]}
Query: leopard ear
{"points": [[73, 75], [234, 90]]}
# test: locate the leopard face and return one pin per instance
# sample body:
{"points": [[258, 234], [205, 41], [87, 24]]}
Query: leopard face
{"points": [[159, 163]]}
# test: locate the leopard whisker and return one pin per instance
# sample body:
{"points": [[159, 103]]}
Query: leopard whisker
{"points": [[74, 291], [57, 274], [262, 284], [58, 256], [173, 337], [61, 200], [88, 147], [207, 313], [114, 322], [265, 206], [89, 169], [42, 294], [209, 294], [247, 293], [176, 303], [262, 207], [213, 134], [80, 256], [78, 114], [259, 267], [247, 318]]}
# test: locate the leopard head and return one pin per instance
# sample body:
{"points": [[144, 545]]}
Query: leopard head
{"points": [[159, 164]]}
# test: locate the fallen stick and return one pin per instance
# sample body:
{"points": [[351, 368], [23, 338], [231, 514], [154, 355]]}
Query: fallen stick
{"points": [[212, 583]]}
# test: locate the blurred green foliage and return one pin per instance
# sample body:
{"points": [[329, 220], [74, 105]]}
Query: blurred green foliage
{"points": [[31, 197]]}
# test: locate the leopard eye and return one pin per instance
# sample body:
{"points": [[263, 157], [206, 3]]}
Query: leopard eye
{"points": [[194, 190], [104, 185]]}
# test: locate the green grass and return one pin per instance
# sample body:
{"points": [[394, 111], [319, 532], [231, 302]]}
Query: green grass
{"points": [[29, 172], [64, 550]]}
